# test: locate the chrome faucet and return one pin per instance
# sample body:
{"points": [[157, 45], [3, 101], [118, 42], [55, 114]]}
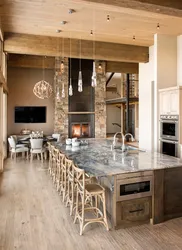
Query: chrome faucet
{"points": [[123, 139], [114, 138]]}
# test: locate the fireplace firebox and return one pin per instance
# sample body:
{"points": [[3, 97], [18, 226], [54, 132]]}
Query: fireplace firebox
{"points": [[80, 130]]}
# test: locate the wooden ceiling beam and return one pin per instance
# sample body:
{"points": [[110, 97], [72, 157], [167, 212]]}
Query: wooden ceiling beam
{"points": [[29, 61], [170, 7], [122, 67], [50, 46]]}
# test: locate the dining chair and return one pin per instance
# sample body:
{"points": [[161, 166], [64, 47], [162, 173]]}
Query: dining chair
{"points": [[90, 191], [15, 149], [37, 148]]}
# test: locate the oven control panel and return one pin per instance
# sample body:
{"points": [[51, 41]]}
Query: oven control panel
{"points": [[169, 117]]}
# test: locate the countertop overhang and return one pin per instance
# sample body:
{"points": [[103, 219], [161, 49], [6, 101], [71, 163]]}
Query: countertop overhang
{"points": [[98, 159]]}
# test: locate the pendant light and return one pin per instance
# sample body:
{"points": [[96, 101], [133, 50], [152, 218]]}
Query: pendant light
{"points": [[62, 62], [70, 86], [80, 81], [42, 89], [94, 76]]}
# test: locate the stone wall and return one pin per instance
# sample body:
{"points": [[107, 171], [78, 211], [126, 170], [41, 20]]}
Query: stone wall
{"points": [[100, 105], [61, 104]]}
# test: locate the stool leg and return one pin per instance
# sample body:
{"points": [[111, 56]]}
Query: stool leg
{"points": [[104, 211], [82, 214]]}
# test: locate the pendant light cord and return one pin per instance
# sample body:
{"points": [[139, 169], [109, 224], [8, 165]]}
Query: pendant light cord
{"points": [[94, 35], [43, 66], [80, 53], [70, 54]]}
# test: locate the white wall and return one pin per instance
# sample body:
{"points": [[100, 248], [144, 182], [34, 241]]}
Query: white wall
{"points": [[146, 76], [165, 73], [179, 60], [160, 72]]}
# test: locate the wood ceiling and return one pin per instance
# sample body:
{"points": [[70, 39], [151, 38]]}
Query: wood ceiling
{"points": [[44, 18]]}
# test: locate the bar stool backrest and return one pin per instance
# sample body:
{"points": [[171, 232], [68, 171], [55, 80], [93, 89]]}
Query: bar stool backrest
{"points": [[79, 176], [69, 168], [60, 158]]}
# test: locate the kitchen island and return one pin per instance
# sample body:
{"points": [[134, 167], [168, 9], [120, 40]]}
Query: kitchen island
{"points": [[140, 186]]}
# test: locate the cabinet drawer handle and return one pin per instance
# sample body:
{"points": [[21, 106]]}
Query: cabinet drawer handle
{"points": [[137, 210]]}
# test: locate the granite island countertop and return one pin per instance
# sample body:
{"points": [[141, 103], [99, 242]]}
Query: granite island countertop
{"points": [[98, 159]]}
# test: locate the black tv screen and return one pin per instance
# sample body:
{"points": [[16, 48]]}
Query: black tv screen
{"points": [[30, 114]]}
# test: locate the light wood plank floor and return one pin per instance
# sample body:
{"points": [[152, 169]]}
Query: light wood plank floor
{"points": [[32, 217]]}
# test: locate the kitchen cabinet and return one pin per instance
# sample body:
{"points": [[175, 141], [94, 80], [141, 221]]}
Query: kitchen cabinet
{"points": [[169, 101]]}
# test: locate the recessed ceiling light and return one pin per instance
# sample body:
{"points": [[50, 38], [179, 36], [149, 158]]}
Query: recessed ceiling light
{"points": [[58, 31], [71, 11], [63, 22], [108, 18]]}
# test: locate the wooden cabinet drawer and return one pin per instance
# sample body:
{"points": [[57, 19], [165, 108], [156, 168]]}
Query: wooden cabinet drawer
{"points": [[134, 210]]}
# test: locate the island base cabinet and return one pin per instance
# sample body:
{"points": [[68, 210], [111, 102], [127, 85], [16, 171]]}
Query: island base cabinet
{"points": [[133, 211]]}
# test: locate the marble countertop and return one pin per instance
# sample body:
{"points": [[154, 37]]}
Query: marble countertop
{"points": [[98, 159]]}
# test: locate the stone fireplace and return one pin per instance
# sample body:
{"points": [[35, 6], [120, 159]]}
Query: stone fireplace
{"points": [[82, 115]]}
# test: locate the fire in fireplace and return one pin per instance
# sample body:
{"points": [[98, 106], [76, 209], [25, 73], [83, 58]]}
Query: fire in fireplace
{"points": [[80, 130]]}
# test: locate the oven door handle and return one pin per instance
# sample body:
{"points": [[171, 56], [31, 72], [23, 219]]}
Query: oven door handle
{"points": [[168, 121], [168, 141]]}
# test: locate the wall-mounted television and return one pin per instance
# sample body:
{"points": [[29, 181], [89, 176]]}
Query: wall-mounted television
{"points": [[30, 114]]}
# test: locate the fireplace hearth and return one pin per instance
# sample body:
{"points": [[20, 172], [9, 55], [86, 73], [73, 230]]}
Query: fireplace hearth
{"points": [[80, 130]]}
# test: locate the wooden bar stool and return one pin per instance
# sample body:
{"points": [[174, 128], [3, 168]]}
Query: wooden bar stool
{"points": [[85, 192], [71, 188], [64, 178], [70, 196], [55, 153], [60, 162], [50, 148]]}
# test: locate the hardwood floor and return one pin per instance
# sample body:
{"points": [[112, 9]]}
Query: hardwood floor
{"points": [[33, 217]]}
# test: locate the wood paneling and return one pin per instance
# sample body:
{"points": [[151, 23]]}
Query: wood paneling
{"points": [[158, 197], [44, 18], [44, 45], [173, 193], [171, 7], [28, 61], [122, 67]]}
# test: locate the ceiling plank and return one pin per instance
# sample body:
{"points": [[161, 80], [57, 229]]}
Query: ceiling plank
{"points": [[29, 61], [122, 67], [49, 46], [170, 7]]}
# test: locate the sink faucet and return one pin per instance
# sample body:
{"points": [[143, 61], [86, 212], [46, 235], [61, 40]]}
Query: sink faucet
{"points": [[114, 138], [123, 140]]}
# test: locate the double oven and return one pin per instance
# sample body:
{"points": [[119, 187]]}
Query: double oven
{"points": [[169, 137]]}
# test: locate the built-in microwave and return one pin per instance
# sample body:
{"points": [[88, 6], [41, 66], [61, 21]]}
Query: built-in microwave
{"points": [[169, 127], [134, 188]]}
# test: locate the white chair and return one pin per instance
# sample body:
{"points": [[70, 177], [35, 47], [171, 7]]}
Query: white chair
{"points": [[37, 148], [14, 148], [56, 136]]}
